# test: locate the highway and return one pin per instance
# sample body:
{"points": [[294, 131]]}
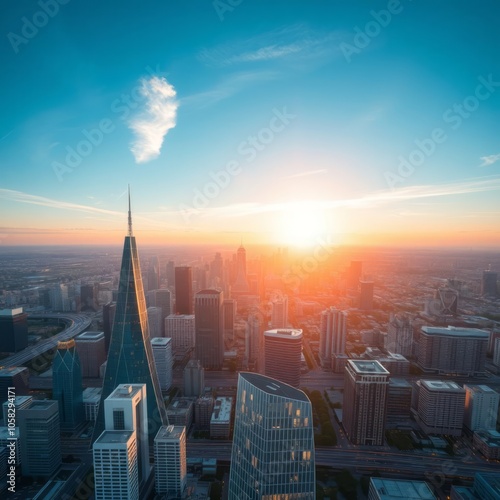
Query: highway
{"points": [[363, 460], [77, 324]]}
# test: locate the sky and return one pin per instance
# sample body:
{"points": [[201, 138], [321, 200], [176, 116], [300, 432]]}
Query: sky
{"points": [[285, 122]]}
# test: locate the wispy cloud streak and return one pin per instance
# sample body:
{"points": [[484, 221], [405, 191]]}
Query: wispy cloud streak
{"points": [[489, 160], [372, 200], [152, 125], [31, 199], [293, 43]]}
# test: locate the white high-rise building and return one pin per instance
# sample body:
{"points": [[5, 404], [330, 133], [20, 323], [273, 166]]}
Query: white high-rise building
{"points": [[155, 319], [125, 409], [440, 407], [481, 407], [279, 312], [180, 328], [170, 461], [116, 466], [333, 332], [162, 354]]}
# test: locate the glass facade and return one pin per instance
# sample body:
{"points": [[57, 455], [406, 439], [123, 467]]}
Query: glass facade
{"points": [[130, 357], [273, 444], [67, 385]]}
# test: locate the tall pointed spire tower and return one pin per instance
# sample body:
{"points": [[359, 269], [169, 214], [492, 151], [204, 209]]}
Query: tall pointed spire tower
{"points": [[130, 356]]}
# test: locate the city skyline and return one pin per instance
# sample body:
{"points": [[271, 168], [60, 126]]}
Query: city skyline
{"points": [[282, 125]]}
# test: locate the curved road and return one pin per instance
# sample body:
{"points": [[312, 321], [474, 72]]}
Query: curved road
{"points": [[77, 324]]}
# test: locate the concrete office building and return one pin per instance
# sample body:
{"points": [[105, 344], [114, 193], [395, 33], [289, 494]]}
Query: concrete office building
{"points": [[181, 329], [194, 379], [452, 350], [14, 376], [209, 341], [125, 409], [440, 407], [366, 385], [13, 330], [183, 290], [279, 312], [332, 338], [40, 442], [91, 349], [282, 351], [403, 489], [162, 355], [116, 466], [220, 421], [481, 407], [170, 461]]}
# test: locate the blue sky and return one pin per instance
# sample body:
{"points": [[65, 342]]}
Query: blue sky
{"points": [[336, 94]]}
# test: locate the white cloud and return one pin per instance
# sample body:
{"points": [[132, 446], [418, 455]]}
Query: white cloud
{"points": [[489, 160], [152, 125]]}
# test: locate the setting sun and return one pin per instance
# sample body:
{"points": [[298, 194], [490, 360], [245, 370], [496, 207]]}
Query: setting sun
{"points": [[301, 226]]}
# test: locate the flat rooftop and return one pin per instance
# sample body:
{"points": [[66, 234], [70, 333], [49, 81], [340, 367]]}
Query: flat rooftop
{"points": [[160, 341], [480, 389], [365, 367], [392, 489], [441, 385], [453, 331], [272, 386], [92, 394], [170, 432], [399, 382], [11, 312], [125, 391], [222, 411], [284, 332], [116, 437]]}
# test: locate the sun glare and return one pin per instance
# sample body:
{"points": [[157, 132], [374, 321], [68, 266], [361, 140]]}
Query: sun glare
{"points": [[301, 226]]}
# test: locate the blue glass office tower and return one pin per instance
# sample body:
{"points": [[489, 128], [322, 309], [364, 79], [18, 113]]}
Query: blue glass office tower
{"points": [[130, 357], [273, 442], [67, 385]]}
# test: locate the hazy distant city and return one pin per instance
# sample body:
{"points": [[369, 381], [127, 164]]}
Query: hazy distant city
{"points": [[397, 350]]}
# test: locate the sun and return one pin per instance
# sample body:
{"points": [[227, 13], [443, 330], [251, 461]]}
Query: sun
{"points": [[301, 226]]}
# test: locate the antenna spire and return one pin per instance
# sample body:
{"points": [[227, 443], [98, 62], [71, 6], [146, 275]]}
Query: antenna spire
{"points": [[129, 214]]}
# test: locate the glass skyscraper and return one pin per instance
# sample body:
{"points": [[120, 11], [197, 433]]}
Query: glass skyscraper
{"points": [[273, 444], [67, 385], [130, 357]]}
